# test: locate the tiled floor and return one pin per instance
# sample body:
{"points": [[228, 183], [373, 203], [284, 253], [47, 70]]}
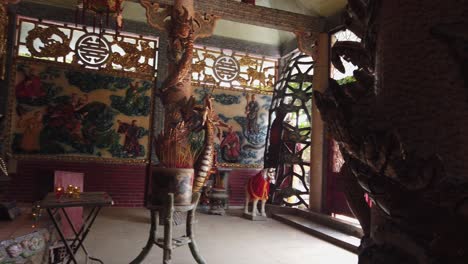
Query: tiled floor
{"points": [[119, 234]]}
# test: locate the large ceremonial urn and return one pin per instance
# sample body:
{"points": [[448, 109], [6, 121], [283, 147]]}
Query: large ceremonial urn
{"points": [[175, 172], [178, 181]]}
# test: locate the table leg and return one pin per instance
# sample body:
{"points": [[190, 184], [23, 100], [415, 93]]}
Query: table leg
{"points": [[67, 247], [151, 240], [86, 228], [77, 234], [167, 255], [189, 229]]}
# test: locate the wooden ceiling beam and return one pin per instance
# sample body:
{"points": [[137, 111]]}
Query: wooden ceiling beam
{"points": [[255, 15]]}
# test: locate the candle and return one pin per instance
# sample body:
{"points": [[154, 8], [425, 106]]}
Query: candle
{"points": [[76, 192], [70, 189], [58, 192]]}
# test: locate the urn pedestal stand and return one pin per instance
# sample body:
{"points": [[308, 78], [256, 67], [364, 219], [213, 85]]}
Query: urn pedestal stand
{"points": [[168, 243], [219, 196]]}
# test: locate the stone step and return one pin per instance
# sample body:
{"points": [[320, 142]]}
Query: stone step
{"points": [[338, 238]]}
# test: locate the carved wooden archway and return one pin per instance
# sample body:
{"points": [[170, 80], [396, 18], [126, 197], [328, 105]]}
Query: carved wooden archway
{"points": [[289, 132]]}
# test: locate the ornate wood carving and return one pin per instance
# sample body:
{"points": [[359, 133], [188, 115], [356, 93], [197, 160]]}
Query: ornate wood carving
{"points": [[3, 38], [52, 47], [3, 34], [160, 18], [420, 212], [306, 42], [233, 70], [182, 30], [105, 51], [132, 55], [176, 92], [204, 24], [157, 17], [289, 132]]}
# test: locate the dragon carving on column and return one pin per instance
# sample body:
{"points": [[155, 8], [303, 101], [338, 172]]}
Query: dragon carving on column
{"points": [[176, 90], [419, 212], [205, 159], [182, 30]]}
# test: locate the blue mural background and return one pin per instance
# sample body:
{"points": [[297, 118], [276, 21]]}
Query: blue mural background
{"points": [[65, 111], [241, 140]]}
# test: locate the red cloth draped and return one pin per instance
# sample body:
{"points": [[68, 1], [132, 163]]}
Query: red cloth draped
{"points": [[258, 187]]}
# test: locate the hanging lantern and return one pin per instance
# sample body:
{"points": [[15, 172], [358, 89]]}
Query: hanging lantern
{"points": [[101, 8]]}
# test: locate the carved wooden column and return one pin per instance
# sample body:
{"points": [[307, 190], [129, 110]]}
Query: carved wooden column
{"points": [[181, 116], [3, 38], [3, 34], [320, 83], [183, 26], [180, 51], [401, 128]]}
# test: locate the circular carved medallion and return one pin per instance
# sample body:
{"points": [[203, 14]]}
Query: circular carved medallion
{"points": [[226, 68], [92, 49]]}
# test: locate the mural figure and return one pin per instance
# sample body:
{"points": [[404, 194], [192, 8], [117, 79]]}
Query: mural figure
{"points": [[135, 102], [251, 112], [132, 133], [32, 130], [30, 86], [230, 146], [245, 143], [68, 115], [80, 103]]}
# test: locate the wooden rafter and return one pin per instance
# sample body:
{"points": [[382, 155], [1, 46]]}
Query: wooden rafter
{"points": [[255, 15]]}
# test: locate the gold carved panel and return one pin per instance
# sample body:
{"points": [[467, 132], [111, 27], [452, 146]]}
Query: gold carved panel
{"points": [[87, 46], [232, 69]]}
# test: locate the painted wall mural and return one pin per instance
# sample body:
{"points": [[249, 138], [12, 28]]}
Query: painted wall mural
{"points": [[240, 141], [63, 111]]}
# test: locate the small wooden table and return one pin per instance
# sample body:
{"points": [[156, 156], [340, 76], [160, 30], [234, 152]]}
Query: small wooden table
{"points": [[94, 200]]}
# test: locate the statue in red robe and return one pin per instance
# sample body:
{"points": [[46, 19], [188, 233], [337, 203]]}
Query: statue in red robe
{"points": [[257, 188]]}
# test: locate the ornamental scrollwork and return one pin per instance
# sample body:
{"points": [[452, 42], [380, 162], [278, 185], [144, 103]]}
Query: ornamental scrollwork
{"points": [[204, 24], [132, 55], [82, 46], [51, 46], [306, 43], [233, 69]]}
